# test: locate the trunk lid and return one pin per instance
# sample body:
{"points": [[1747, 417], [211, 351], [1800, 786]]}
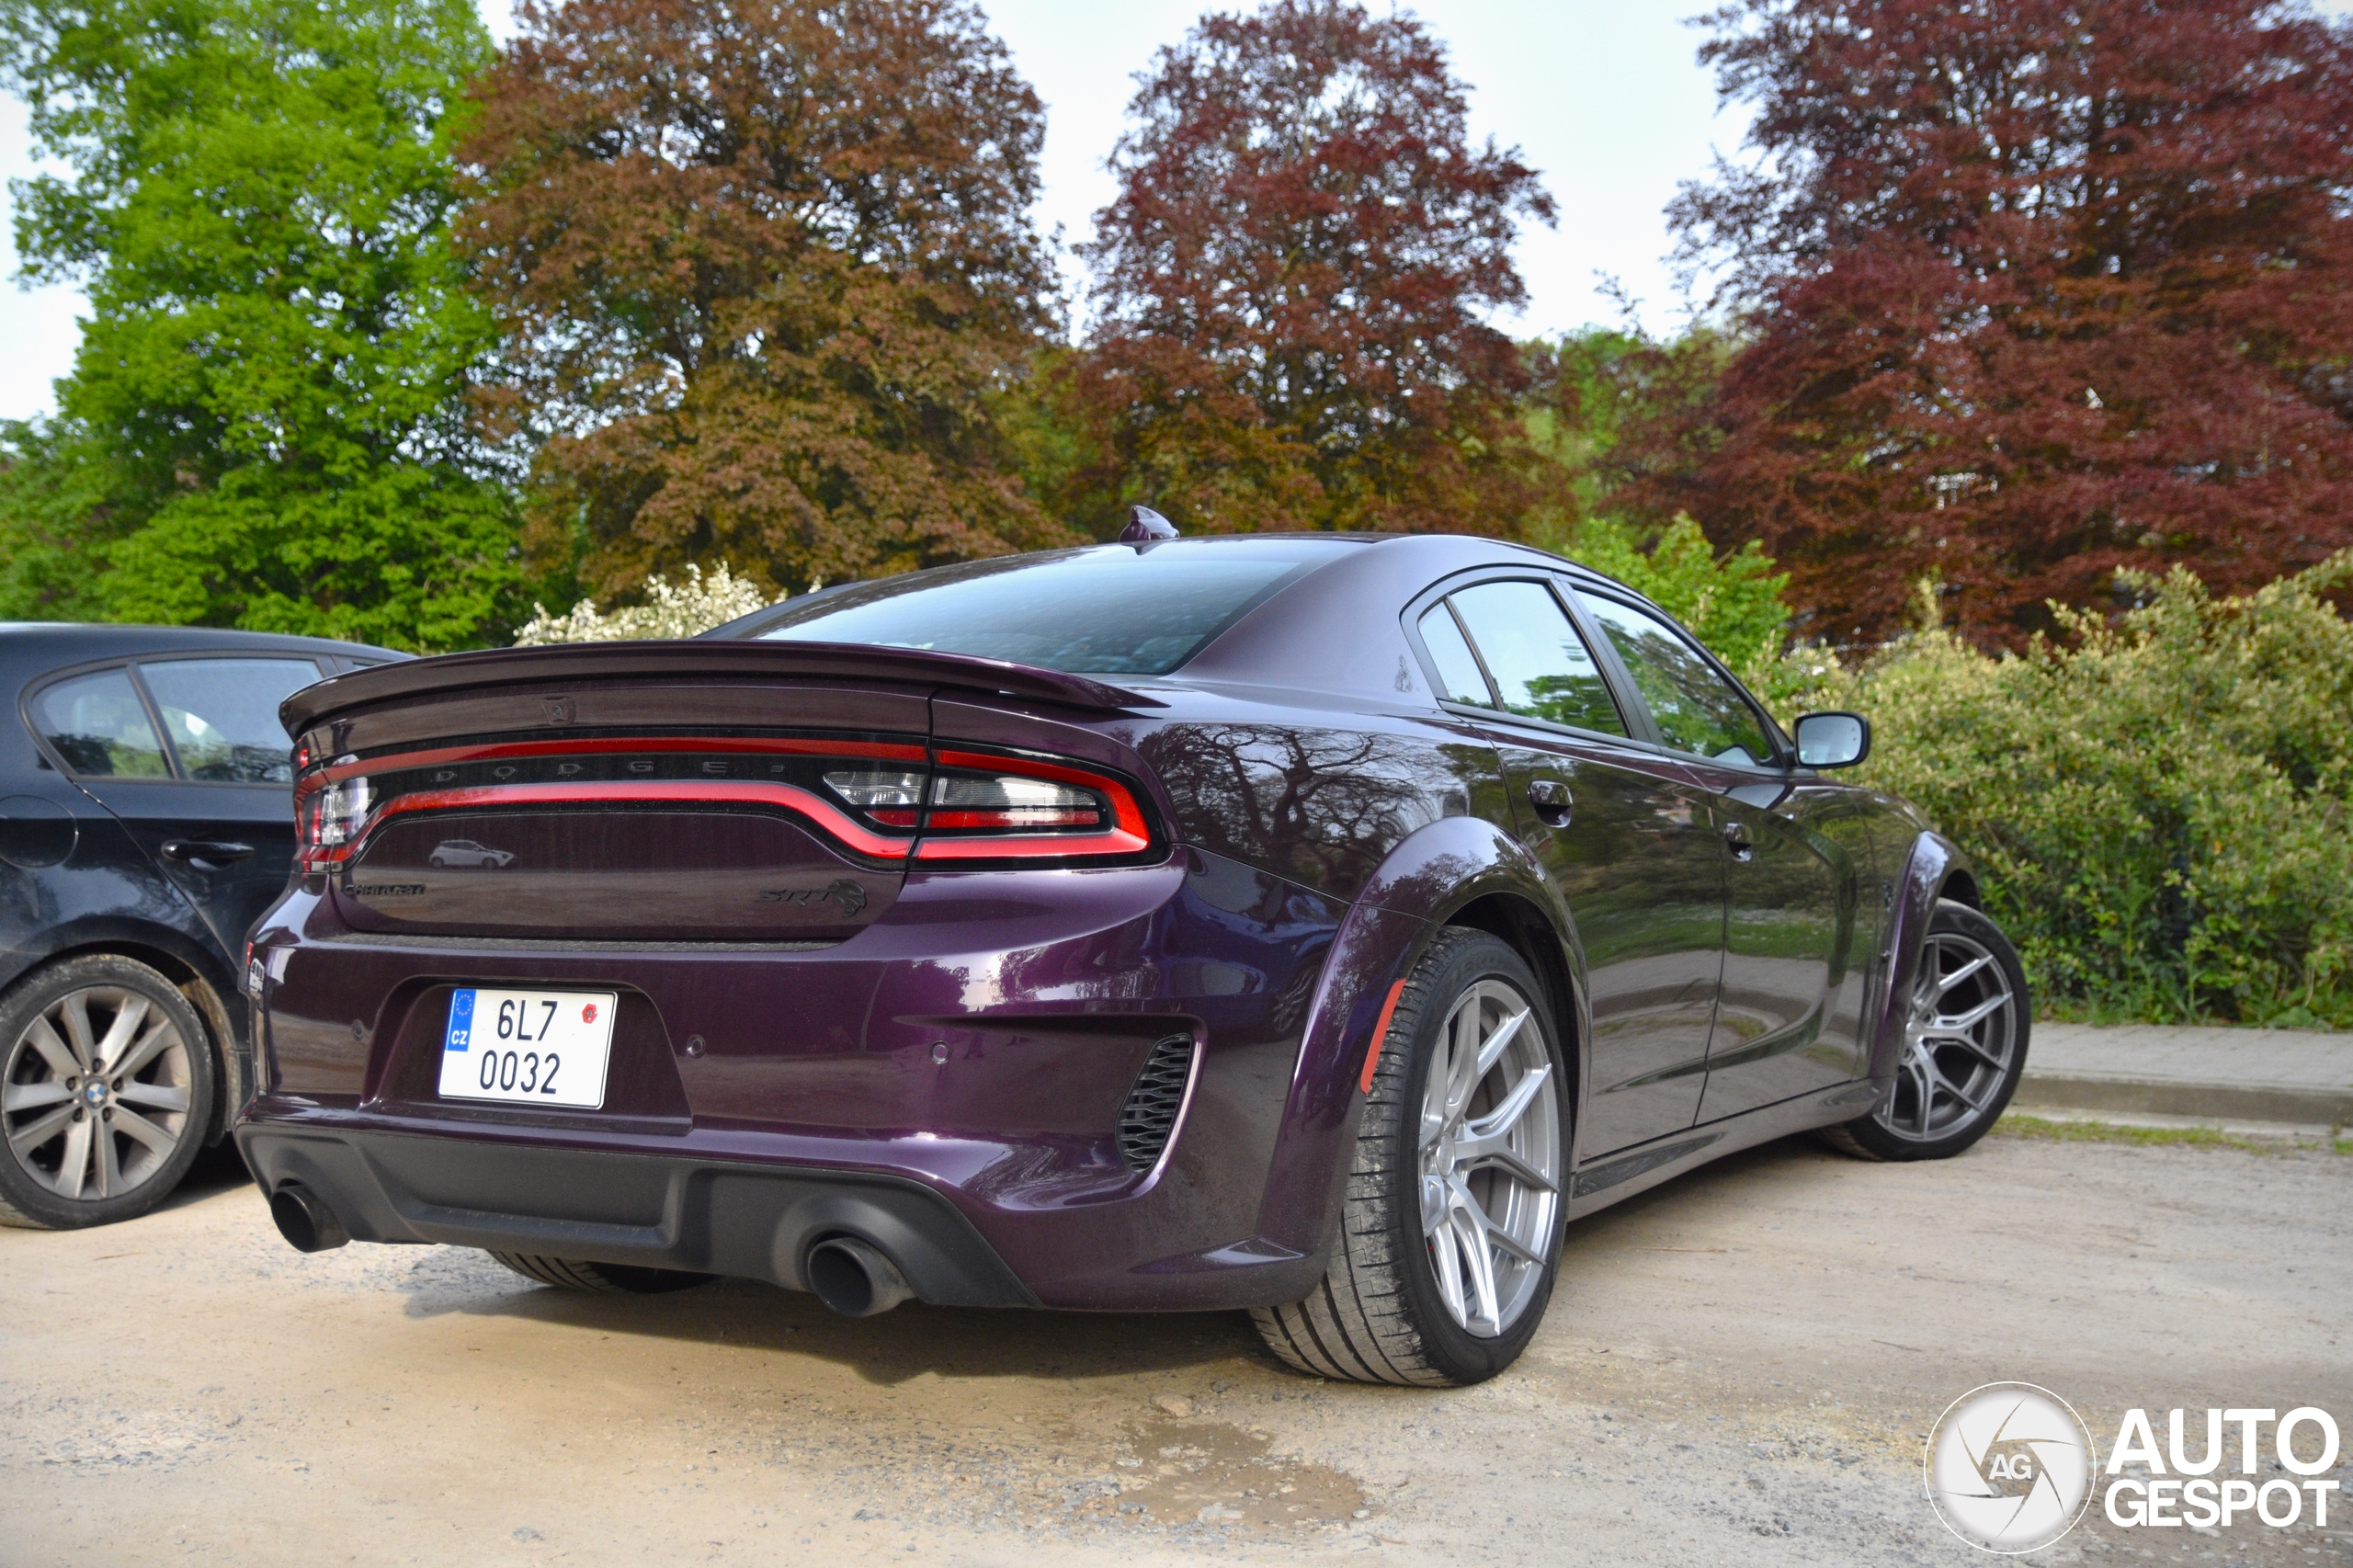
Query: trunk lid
{"points": [[633, 792]]}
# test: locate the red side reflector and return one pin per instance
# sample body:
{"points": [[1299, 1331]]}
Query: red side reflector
{"points": [[1379, 1033]]}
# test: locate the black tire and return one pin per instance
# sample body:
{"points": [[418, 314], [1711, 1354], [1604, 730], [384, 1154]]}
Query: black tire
{"points": [[601, 1279], [185, 1070], [1896, 1128], [1381, 1316]]}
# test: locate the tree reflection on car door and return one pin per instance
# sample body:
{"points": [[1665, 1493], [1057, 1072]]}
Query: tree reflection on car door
{"points": [[1622, 834], [1790, 885]]}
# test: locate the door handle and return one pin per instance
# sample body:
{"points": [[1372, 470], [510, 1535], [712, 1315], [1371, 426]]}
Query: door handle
{"points": [[1549, 798], [1736, 839], [205, 854]]}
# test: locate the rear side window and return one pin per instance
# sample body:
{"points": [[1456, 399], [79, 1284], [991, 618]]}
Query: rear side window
{"points": [[1458, 667], [1542, 668], [99, 726], [223, 715], [1698, 709], [1109, 611]]}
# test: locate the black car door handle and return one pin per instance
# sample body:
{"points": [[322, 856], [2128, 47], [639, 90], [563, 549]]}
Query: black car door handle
{"points": [[1736, 838], [1549, 798], [204, 854]]}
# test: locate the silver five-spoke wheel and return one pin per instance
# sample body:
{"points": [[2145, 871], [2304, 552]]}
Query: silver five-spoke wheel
{"points": [[1960, 1035], [1964, 1018], [1449, 1244], [1490, 1176], [97, 1093]]}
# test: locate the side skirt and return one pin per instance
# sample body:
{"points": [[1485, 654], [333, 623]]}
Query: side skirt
{"points": [[1625, 1172]]}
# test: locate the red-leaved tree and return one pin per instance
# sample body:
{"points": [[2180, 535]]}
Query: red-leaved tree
{"points": [[1292, 282], [761, 266], [2030, 292]]}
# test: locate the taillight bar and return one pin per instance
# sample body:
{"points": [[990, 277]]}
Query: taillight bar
{"points": [[1129, 832], [790, 797], [1029, 826]]}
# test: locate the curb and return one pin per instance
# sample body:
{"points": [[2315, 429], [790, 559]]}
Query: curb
{"points": [[2151, 1096]]}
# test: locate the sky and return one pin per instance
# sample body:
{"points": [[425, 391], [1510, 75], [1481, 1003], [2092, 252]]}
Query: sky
{"points": [[1605, 98]]}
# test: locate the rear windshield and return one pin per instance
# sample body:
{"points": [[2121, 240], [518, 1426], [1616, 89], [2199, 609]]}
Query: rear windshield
{"points": [[1110, 609]]}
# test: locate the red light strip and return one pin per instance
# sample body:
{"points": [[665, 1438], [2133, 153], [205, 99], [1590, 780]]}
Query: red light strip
{"points": [[792, 798], [1130, 835], [493, 751], [1016, 817]]}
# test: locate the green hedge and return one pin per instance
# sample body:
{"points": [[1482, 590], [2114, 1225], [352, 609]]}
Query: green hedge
{"points": [[2159, 807]]}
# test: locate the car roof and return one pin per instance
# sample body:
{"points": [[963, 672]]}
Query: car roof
{"points": [[62, 642]]}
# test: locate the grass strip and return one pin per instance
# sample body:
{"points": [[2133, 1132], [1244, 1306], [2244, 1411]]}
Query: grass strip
{"points": [[2018, 1126]]}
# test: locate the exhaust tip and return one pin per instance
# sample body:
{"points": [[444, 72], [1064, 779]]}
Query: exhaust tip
{"points": [[304, 1219], [854, 1279]]}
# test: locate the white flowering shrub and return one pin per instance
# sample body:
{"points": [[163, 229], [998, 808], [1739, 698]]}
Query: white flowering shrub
{"points": [[679, 610]]}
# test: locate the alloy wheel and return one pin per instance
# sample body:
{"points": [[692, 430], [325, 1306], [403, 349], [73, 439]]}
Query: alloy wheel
{"points": [[1491, 1157], [1960, 1037], [96, 1093]]}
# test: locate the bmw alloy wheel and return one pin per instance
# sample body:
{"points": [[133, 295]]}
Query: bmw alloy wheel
{"points": [[97, 1093]]}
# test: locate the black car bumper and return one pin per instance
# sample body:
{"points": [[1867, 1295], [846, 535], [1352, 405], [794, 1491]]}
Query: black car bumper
{"points": [[748, 1221]]}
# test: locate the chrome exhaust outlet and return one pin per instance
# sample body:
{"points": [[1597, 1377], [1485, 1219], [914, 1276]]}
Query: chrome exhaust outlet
{"points": [[854, 1279], [304, 1219]]}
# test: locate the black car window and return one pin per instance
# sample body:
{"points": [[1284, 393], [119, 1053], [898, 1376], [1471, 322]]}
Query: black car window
{"points": [[1106, 610], [1696, 709], [96, 724], [1541, 666], [223, 715], [1458, 667]]}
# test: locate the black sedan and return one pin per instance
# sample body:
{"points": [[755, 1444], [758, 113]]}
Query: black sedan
{"points": [[145, 821]]}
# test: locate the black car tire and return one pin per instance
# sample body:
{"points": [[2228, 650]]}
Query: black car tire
{"points": [[26, 1200], [1873, 1137], [601, 1279], [1381, 1316]]}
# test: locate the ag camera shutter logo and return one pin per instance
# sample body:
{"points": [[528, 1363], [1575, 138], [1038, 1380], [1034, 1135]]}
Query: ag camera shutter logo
{"points": [[2009, 1467]]}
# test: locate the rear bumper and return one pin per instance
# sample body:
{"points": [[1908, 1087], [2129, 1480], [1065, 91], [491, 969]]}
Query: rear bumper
{"points": [[712, 1217], [968, 1054]]}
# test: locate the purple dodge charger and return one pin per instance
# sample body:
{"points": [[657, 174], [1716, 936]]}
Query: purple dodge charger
{"points": [[1312, 924]]}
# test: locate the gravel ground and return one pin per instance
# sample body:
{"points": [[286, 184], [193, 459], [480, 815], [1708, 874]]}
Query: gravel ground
{"points": [[1739, 1368]]}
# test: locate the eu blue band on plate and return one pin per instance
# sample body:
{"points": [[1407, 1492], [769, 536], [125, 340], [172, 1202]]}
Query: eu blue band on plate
{"points": [[461, 1020]]}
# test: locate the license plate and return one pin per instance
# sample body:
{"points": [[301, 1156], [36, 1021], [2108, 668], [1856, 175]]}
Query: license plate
{"points": [[543, 1048]]}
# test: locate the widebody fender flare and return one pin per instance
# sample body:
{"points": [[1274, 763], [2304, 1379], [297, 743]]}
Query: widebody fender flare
{"points": [[1429, 878], [1932, 865]]}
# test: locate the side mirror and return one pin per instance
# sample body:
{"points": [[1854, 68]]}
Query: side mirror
{"points": [[1833, 740]]}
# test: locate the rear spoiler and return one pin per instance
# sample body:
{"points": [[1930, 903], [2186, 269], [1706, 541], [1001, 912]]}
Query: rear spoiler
{"points": [[601, 661]]}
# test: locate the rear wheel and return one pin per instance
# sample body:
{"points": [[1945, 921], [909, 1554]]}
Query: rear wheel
{"points": [[106, 1093], [602, 1279], [1964, 1045], [1450, 1235]]}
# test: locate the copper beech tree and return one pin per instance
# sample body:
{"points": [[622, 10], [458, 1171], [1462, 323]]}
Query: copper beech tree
{"points": [[759, 266], [2029, 292], [1293, 279]]}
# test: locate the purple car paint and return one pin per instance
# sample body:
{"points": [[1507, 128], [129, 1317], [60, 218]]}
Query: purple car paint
{"points": [[922, 1034]]}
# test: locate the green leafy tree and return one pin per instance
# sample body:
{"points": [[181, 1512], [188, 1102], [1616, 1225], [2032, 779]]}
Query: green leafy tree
{"points": [[56, 506], [1732, 603], [267, 418]]}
